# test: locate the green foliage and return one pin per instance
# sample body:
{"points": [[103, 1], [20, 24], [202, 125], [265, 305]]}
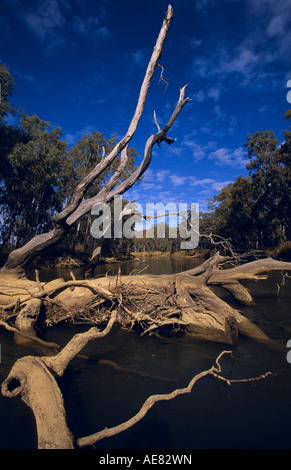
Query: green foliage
{"points": [[88, 151], [34, 179], [254, 211], [156, 238], [6, 87]]}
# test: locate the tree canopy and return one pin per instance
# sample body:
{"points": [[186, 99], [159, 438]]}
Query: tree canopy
{"points": [[254, 211]]}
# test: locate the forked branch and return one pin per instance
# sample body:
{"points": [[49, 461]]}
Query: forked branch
{"points": [[215, 371], [79, 205], [122, 144]]}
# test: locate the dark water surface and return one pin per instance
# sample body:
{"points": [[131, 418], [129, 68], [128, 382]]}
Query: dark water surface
{"points": [[214, 416]]}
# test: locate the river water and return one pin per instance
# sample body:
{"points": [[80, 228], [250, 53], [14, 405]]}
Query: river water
{"points": [[214, 416]]}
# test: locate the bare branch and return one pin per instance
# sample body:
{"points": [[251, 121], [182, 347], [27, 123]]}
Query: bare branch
{"points": [[50, 345], [59, 363], [131, 180], [105, 162], [155, 118], [162, 78], [152, 400]]}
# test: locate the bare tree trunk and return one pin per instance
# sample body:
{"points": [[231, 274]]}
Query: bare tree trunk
{"points": [[79, 205]]}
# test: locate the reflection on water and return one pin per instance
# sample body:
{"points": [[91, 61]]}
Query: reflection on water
{"points": [[149, 266], [214, 415]]}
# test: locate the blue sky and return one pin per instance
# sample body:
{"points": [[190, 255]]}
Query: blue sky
{"points": [[79, 65]]}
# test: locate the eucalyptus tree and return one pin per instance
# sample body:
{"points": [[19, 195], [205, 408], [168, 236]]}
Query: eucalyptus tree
{"points": [[34, 179], [84, 156], [6, 87], [254, 211], [270, 173]]}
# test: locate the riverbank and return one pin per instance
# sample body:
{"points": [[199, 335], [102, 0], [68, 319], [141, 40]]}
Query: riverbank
{"points": [[166, 254], [78, 261]]}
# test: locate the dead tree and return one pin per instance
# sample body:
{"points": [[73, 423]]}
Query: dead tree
{"points": [[79, 205], [185, 301], [180, 302]]}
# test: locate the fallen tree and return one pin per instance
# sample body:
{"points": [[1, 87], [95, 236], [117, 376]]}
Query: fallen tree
{"points": [[184, 302], [180, 303]]}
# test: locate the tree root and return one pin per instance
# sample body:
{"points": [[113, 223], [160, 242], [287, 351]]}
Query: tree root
{"points": [[169, 304]]}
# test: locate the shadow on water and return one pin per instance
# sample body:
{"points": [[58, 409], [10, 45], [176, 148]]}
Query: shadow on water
{"points": [[213, 416]]}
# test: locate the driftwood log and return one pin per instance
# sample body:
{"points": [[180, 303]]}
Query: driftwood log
{"points": [[150, 304], [182, 303], [31, 378]]}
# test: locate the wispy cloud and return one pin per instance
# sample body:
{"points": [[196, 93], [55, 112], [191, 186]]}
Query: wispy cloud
{"points": [[51, 21], [90, 26], [245, 60], [138, 57], [156, 188], [25, 77], [197, 150], [46, 21]]}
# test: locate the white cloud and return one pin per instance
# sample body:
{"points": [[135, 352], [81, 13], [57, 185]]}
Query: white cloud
{"points": [[275, 14], [199, 96], [72, 139], [198, 151], [26, 77], [225, 156], [248, 55], [203, 182], [178, 180], [243, 61], [161, 175], [194, 42]]}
